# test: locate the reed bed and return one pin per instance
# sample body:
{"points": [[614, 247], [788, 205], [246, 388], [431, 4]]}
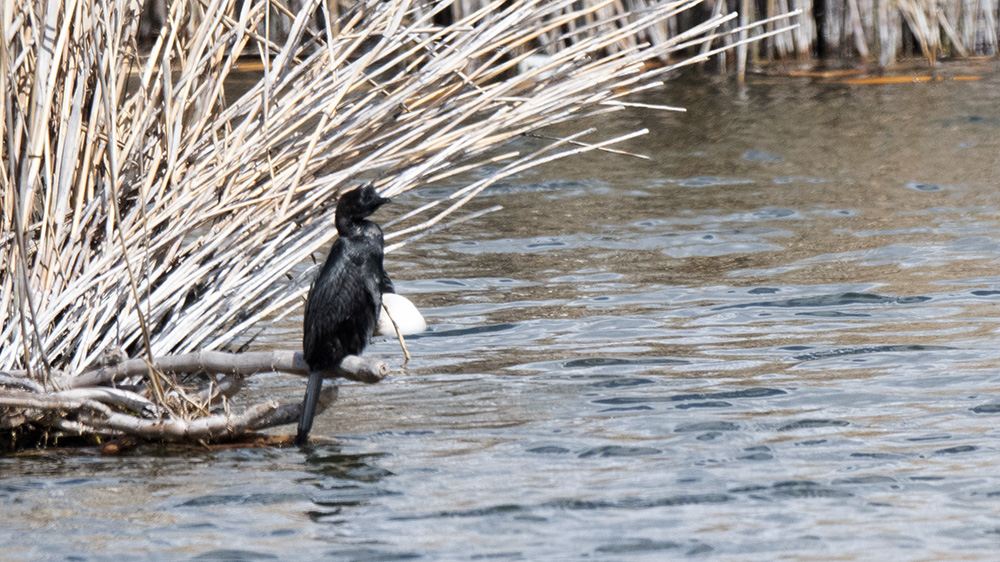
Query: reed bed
{"points": [[149, 220], [879, 32]]}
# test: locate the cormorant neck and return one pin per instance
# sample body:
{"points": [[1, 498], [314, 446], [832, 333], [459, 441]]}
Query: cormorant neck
{"points": [[347, 225], [354, 227]]}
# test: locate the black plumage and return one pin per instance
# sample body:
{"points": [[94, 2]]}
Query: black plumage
{"points": [[386, 286], [345, 299]]}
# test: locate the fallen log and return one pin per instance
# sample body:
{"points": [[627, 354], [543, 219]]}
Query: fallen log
{"points": [[210, 428], [353, 367], [91, 403]]}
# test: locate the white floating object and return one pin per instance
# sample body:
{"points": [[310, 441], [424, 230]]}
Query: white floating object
{"points": [[403, 312]]}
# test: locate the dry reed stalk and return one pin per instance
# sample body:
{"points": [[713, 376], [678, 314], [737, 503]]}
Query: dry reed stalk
{"points": [[890, 33], [920, 16], [741, 51], [146, 210], [857, 29], [805, 32]]}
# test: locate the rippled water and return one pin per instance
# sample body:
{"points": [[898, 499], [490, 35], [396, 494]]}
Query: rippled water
{"points": [[777, 340]]}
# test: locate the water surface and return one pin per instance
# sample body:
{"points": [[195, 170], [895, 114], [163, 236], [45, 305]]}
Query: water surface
{"points": [[776, 340]]}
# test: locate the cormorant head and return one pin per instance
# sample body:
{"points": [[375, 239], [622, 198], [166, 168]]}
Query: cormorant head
{"points": [[358, 204]]}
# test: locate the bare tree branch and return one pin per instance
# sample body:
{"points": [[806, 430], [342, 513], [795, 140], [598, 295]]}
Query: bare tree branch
{"points": [[353, 367]]}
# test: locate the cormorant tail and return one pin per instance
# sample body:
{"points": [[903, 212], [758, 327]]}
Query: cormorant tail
{"points": [[309, 407]]}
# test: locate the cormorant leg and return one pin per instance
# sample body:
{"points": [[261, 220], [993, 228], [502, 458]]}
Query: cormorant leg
{"points": [[309, 408]]}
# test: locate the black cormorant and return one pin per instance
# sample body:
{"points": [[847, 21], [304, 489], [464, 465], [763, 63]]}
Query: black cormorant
{"points": [[345, 299]]}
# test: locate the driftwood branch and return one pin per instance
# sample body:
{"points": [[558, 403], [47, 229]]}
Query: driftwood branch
{"points": [[225, 387], [215, 427], [87, 404], [353, 367], [112, 397]]}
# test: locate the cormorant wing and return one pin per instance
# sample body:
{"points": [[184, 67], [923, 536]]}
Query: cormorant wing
{"points": [[342, 307]]}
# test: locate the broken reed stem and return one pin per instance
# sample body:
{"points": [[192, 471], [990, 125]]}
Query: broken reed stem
{"points": [[399, 335]]}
